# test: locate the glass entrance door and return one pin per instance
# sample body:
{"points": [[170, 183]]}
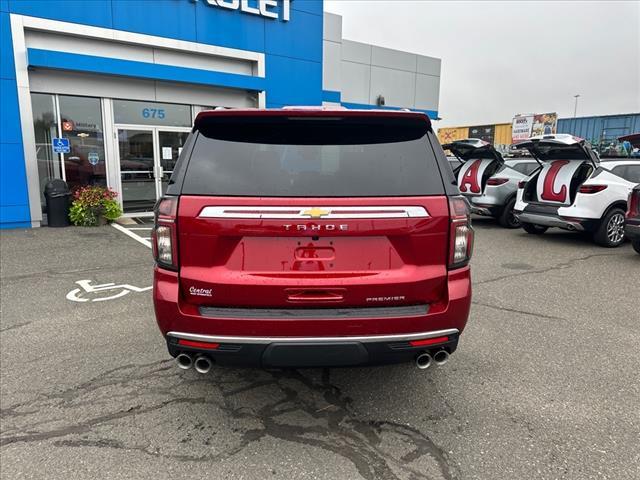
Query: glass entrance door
{"points": [[170, 144], [137, 170], [147, 157]]}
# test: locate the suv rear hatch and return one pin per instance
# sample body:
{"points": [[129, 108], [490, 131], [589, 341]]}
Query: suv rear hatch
{"points": [[567, 162], [307, 210], [480, 161]]}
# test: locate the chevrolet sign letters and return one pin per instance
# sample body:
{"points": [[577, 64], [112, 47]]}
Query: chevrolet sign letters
{"points": [[264, 8]]}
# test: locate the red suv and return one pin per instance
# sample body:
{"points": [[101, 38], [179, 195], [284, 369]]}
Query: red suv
{"points": [[311, 238], [632, 218]]}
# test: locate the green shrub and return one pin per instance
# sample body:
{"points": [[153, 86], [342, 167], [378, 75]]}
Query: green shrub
{"points": [[93, 203], [82, 216], [112, 210]]}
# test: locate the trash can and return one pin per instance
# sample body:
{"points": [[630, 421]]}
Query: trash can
{"points": [[57, 196]]}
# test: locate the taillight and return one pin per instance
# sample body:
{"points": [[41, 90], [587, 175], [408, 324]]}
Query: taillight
{"points": [[461, 233], [633, 205], [497, 181], [164, 235], [591, 188], [522, 183], [167, 208]]}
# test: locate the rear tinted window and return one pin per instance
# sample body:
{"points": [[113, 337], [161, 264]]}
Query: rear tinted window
{"points": [[631, 173], [312, 157]]}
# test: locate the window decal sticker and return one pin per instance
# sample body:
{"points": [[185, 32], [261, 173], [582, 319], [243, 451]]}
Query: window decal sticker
{"points": [[554, 181], [470, 175]]}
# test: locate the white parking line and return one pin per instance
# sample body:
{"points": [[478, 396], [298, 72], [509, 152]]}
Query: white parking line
{"points": [[140, 228], [127, 231]]}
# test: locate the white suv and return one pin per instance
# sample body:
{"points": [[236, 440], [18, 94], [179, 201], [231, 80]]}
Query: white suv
{"points": [[573, 190]]}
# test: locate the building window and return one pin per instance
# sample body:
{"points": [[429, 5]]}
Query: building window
{"points": [[45, 124], [81, 123], [128, 112]]}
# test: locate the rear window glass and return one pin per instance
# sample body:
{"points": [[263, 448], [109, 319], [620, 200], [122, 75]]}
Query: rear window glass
{"points": [[631, 173], [312, 157]]}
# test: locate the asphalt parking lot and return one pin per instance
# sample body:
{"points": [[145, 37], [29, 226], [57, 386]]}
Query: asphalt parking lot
{"points": [[545, 383]]}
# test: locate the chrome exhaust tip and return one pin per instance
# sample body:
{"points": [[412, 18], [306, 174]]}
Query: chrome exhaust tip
{"points": [[184, 361], [441, 357], [202, 364], [423, 361]]}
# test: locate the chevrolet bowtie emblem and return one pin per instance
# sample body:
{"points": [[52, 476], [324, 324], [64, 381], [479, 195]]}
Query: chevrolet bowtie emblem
{"points": [[316, 212]]}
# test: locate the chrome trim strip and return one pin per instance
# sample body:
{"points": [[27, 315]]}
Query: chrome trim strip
{"points": [[266, 340], [315, 313], [315, 213]]}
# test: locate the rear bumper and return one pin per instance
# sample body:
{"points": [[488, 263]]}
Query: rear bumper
{"points": [[288, 352], [493, 200], [311, 341], [485, 210], [484, 205], [573, 224]]}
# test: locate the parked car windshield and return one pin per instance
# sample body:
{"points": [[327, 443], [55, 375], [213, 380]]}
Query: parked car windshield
{"points": [[313, 158]]}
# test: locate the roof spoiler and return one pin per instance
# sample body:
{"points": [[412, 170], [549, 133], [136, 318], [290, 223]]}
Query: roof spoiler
{"points": [[263, 114]]}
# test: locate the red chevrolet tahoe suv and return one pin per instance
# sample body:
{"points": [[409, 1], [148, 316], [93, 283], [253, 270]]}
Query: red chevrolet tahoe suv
{"points": [[311, 238]]}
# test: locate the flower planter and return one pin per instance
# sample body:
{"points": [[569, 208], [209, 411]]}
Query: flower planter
{"points": [[94, 206]]}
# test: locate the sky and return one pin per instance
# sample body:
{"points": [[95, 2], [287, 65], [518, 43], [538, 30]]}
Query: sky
{"points": [[506, 57]]}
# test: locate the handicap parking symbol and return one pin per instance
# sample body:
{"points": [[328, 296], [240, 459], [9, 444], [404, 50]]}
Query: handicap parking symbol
{"points": [[100, 293], [60, 145]]}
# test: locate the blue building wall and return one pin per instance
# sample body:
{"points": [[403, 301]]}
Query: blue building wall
{"points": [[600, 129], [14, 199], [293, 49], [293, 61]]}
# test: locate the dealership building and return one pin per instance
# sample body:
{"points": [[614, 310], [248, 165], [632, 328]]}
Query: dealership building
{"points": [[105, 92]]}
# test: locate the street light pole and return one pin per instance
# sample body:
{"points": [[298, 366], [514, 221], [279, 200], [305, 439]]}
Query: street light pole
{"points": [[575, 108]]}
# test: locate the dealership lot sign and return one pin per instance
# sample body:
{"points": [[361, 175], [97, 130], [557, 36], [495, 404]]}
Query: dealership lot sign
{"points": [[544, 124], [521, 128], [276, 9], [526, 126]]}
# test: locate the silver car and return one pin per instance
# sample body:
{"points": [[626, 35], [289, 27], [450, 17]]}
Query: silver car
{"points": [[487, 180]]}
